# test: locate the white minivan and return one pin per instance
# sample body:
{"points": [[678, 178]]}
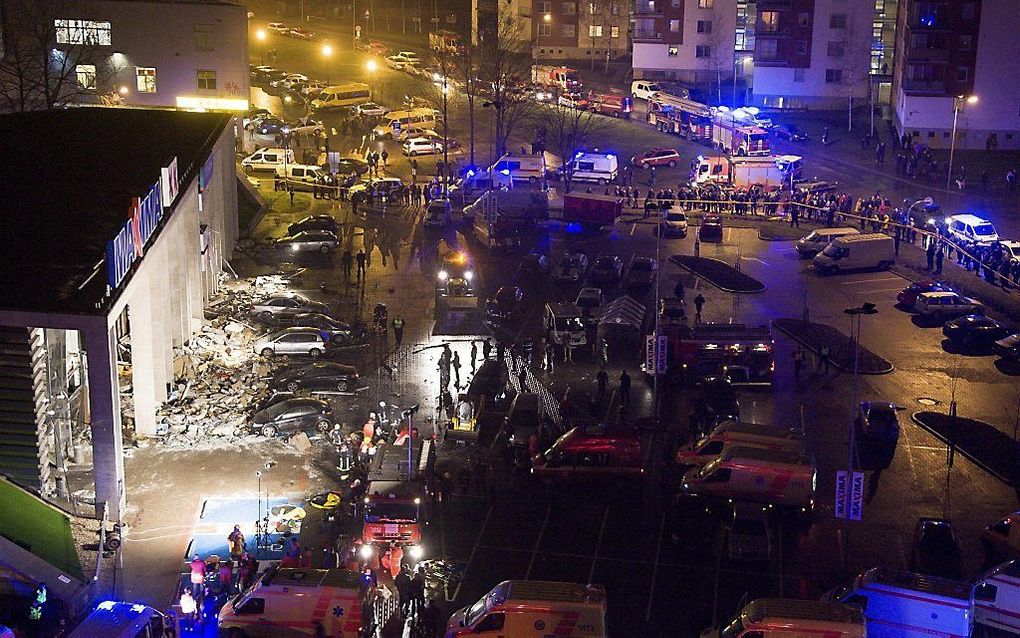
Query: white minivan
{"points": [[971, 229], [268, 159], [396, 122], [818, 239], [527, 167], [643, 88], [600, 168], [856, 252]]}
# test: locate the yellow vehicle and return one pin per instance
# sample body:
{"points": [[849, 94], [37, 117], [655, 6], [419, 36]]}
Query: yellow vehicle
{"points": [[464, 422], [341, 95]]}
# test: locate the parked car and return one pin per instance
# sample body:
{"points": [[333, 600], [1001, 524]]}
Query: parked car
{"points": [[939, 306], [299, 33], [320, 241], [314, 222], [975, 331], [534, 264], [294, 415], [748, 535], [387, 185], [694, 519], [572, 101], [349, 165], [711, 228], [338, 332], [504, 303], [935, 551], [287, 304], [908, 296], [572, 267], [277, 27], [657, 157], [878, 420], [1009, 347], [590, 300], [317, 376], [642, 273], [673, 223], [672, 312], [607, 270], [421, 146], [292, 341], [371, 108], [790, 132]]}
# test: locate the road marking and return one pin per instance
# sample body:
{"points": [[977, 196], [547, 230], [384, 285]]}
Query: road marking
{"points": [[598, 545], [474, 550], [715, 591], [868, 281], [538, 541], [655, 569], [756, 259], [896, 289], [633, 227], [779, 534]]}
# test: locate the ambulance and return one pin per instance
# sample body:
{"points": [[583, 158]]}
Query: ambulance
{"points": [[996, 598], [730, 434], [773, 477], [792, 619], [292, 601], [534, 609], [900, 604]]}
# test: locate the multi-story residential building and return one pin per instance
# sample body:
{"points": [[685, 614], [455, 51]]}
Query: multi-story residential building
{"points": [[135, 52], [690, 40], [574, 30], [812, 53], [951, 50]]}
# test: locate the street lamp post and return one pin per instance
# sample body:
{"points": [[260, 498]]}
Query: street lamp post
{"points": [[327, 53], [496, 106], [260, 35], [736, 63], [865, 308], [446, 138], [958, 102]]}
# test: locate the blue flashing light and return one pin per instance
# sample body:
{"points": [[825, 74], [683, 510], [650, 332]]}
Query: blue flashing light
{"points": [[610, 156], [107, 605], [470, 172], [505, 171], [574, 228]]}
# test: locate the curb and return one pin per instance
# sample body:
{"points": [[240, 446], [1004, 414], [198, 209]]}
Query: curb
{"points": [[724, 289], [964, 453], [835, 365]]}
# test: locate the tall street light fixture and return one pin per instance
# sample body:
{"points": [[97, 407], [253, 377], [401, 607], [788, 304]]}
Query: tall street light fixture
{"points": [[260, 35], [446, 139], [865, 308], [739, 62], [958, 103], [327, 53]]}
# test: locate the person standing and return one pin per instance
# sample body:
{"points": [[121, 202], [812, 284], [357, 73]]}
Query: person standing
{"points": [[474, 354], [699, 303], [940, 253], [624, 388], [226, 576], [798, 362], [197, 575], [403, 584], [486, 349], [235, 540], [398, 329], [455, 362], [360, 257], [823, 361], [346, 260], [930, 255], [602, 379], [417, 591], [385, 155]]}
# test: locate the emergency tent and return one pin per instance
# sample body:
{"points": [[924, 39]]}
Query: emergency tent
{"points": [[625, 313]]}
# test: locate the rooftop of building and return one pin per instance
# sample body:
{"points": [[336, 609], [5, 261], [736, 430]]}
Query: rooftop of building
{"points": [[68, 181]]}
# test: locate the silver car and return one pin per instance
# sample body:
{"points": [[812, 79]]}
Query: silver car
{"points": [[749, 536], [292, 341], [286, 306], [320, 241]]}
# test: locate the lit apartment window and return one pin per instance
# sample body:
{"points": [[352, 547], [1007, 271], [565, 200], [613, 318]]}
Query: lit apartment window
{"points": [[206, 80], [769, 21], [145, 79], [767, 48], [703, 51], [704, 26], [593, 8], [837, 21], [673, 52], [674, 26], [544, 29], [833, 76], [86, 76], [83, 32], [798, 75], [835, 49], [569, 8], [594, 30], [614, 32], [204, 37], [705, 4]]}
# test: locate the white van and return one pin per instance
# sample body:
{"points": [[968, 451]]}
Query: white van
{"points": [[475, 183], [857, 252], [600, 168], [300, 176], [529, 167], [395, 123], [111, 619], [996, 598], [534, 609], [643, 88], [785, 618], [905, 605], [730, 434], [267, 159], [819, 238], [773, 477], [971, 229], [564, 325], [288, 601]]}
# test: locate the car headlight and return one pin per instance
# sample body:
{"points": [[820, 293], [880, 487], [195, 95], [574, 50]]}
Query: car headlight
{"points": [[415, 552], [469, 275], [442, 275], [366, 551]]}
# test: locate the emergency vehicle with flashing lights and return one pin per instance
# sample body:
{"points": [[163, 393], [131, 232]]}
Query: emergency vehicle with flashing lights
{"points": [[591, 453], [534, 609], [996, 597], [736, 138], [600, 168], [714, 348], [680, 116], [773, 477], [613, 102], [559, 77], [730, 434], [784, 618]]}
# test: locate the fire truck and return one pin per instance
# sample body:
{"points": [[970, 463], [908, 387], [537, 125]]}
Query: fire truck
{"points": [[563, 78], [395, 498], [679, 116], [741, 353], [738, 139]]}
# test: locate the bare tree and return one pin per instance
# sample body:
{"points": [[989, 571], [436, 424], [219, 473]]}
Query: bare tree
{"points": [[506, 68], [855, 66], [466, 72], [568, 130], [49, 61], [714, 40]]}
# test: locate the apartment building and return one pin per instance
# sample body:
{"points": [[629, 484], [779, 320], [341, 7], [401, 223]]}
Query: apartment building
{"points": [[691, 40], [578, 31], [947, 52], [812, 53], [169, 53]]}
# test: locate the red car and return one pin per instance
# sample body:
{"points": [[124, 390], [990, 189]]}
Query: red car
{"points": [[908, 295], [657, 157]]}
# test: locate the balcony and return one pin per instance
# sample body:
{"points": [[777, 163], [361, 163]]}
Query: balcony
{"points": [[646, 35], [925, 87], [927, 54], [649, 9]]}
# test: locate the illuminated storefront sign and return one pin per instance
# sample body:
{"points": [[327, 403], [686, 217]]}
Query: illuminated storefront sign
{"points": [[211, 103], [146, 213]]}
